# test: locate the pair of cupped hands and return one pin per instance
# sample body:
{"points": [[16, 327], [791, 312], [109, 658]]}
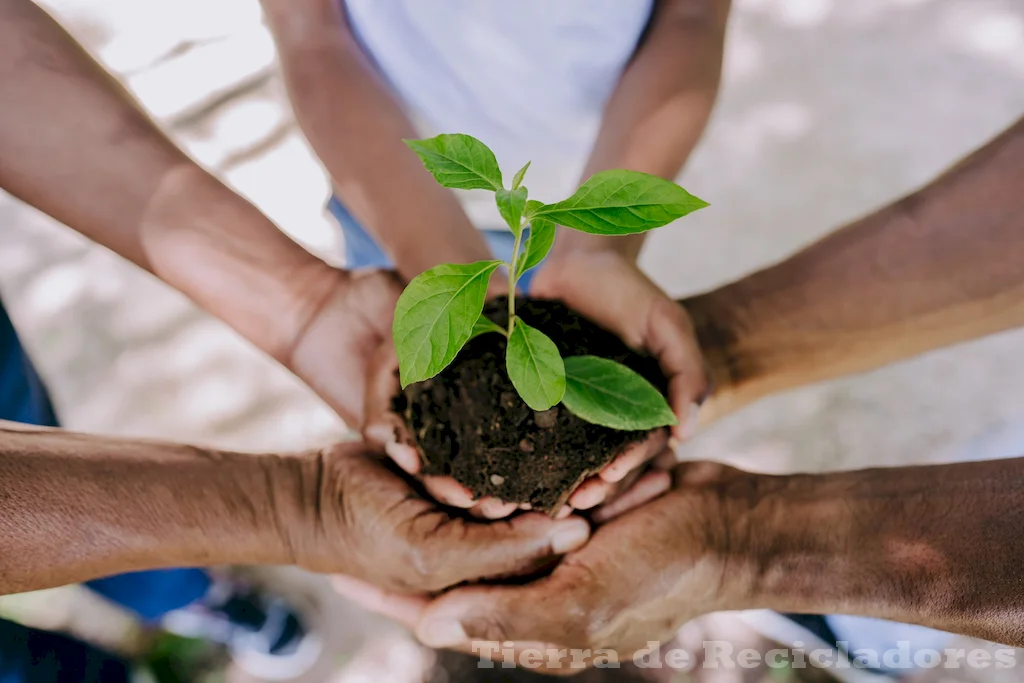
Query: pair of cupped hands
{"points": [[398, 546]]}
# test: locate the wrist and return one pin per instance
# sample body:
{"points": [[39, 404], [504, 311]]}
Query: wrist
{"points": [[562, 269], [817, 546], [728, 505], [791, 545], [724, 324], [772, 540], [295, 488], [242, 522], [218, 249], [314, 523], [570, 243], [800, 543]]}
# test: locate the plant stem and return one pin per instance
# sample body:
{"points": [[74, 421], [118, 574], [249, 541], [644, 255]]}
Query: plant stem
{"points": [[512, 277]]}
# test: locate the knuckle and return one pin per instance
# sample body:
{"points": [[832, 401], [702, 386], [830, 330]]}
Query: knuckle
{"points": [[423, 570], [427, 563]]}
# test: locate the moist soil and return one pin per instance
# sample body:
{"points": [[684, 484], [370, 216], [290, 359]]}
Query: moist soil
{"points": [[471, 424]]}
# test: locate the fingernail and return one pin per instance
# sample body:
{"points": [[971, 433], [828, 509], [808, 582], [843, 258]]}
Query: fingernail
{"points": [[589, 498], [495, 509], [407, 458], [449, 491], [569, 536], [441, 633], [614, 473]]}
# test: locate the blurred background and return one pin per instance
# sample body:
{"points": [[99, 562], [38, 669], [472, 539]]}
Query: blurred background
{"points": [[829, 108]]}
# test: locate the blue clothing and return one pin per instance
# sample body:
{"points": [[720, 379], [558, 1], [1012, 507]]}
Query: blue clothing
{"points": [[30, 656], [23, 397], [152, 594], [361, 251]]}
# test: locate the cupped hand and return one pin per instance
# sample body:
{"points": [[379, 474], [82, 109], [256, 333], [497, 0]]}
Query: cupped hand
{"points": [[387, 430], [639, 579], [348, 318], [623, 484], [358, 518], [610, 290]]}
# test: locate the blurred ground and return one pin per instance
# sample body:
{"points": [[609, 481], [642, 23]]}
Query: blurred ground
{"points": [[829, 109]]}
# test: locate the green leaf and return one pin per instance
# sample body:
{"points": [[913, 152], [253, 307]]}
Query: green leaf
{"points": [[532, 207], [535, 367], [607, 393], [621, 203], [542, 236], [517, 179], [484, 325], [510, 205], [458, 161], [435, 317]]}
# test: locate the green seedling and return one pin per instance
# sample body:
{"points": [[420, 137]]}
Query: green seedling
{"points": [[441, 309]]}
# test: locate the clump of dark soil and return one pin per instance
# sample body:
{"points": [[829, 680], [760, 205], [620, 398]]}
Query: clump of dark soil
{"points": [[472, 425]]}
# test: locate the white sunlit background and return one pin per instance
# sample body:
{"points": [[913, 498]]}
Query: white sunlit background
{"points": [[829, 108]]}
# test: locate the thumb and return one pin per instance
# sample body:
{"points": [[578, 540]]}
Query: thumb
{"points": [[536, 612], [488, 550], [382, 427], [671, 339]]}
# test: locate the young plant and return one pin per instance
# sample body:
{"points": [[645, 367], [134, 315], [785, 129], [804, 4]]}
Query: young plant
{"points": [[440, 310]]}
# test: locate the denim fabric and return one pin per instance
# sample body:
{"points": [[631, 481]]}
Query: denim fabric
{"points": [[31, 656], [362, 251]]}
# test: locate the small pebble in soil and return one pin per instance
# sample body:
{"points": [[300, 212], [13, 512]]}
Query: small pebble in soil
{"points": [[546, 419], [497, 479], [526, 446]]}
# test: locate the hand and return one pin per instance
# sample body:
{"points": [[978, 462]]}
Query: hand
{"points": [[360, 519], [387, 430], [609, 289], [350, 319], [638, 579]]}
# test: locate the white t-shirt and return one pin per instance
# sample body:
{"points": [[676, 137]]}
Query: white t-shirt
{"points": [[527, 77]]}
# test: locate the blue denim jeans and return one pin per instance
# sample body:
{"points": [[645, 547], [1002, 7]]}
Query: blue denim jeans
{"points": [[32, 656], [28, 655]]}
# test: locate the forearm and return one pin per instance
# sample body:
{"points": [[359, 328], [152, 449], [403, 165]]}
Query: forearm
{"points": [[937, 546], [941, 266], [75, 145], [662, 103], [75, 507], [356, 128]]}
